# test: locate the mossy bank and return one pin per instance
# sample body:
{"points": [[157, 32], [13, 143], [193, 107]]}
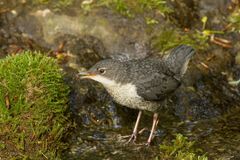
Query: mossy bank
{"points": [[33, 107]]}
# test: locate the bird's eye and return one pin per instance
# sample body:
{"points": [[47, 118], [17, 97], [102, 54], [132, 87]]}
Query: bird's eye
{"points": [[102, 70]]}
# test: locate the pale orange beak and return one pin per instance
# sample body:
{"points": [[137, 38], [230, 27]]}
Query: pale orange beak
{"points": [[85, 75]]}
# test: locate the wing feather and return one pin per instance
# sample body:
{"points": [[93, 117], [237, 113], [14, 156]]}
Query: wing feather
{"points": [[157, 87]]}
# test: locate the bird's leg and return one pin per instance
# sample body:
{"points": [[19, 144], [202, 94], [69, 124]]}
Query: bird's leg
{"points": [[134, 134], [154, 125]]}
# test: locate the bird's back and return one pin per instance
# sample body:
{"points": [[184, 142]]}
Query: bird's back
{"points": [[155, 79]]}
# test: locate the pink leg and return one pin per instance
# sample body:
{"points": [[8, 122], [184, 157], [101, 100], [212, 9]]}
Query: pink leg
{"points": [[134, 134], [154, 125]]}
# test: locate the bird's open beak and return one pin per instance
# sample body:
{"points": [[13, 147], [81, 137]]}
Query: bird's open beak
{"points": [[84, 75]]}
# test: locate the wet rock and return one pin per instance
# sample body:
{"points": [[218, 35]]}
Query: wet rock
{"points": [[185, 13], [215, 10], [85, 51], [30, 27]]}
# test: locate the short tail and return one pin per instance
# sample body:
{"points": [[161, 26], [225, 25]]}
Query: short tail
{"points": [[178, 59]]}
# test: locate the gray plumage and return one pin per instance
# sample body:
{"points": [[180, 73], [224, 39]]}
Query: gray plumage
{"points": [[149, 80]]}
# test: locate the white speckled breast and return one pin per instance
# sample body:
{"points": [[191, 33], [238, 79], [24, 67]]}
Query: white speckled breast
{"points": [[126, 94]]}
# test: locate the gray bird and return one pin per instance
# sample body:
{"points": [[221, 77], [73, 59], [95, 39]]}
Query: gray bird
{"points": [[141, 84]]}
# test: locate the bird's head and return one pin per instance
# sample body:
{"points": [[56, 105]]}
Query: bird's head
{"points": [[105, 72]]}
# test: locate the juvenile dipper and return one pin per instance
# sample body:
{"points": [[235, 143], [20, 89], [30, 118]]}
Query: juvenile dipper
{"points": [[141, 84]]}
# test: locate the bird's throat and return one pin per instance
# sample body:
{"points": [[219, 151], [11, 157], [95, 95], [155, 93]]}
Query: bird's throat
{"points": [[103, 80]]}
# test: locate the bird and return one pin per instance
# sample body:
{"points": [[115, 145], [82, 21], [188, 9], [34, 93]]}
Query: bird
{"points": [[142, 84]]}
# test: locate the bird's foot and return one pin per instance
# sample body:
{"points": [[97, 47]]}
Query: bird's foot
{"points": [[132, 138], [147, 144]]}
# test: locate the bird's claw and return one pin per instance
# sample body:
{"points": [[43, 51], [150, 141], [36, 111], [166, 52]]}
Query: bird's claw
{"points": [[148, 144], [133, 138]]}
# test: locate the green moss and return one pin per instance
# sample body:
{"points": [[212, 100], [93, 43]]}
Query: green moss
{"points": [[180, 149], [132, 8], [234, 19], [169, 38], [33, 103]]}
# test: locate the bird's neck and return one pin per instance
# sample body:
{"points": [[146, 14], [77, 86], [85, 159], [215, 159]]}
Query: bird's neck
{"points": [[105, 81]]}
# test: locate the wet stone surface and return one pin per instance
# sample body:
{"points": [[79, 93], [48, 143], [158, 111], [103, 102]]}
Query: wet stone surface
{"points": [[204, 108]]}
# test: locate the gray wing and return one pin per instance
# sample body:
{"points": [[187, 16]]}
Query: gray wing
{"points": [[157, 87]]}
